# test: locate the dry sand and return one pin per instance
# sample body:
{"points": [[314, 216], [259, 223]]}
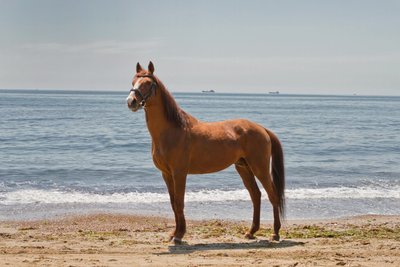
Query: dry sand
{"points": [[125, 240]]}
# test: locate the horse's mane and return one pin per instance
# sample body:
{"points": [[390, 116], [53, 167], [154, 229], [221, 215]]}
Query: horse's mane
{"points": [[172, 111]]}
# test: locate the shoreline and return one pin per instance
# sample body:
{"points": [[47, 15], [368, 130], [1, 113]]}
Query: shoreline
{"points": [[135, 240], [316, 209]]}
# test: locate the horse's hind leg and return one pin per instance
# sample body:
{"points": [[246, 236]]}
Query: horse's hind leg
{"points": [[261, 169], [251, 185]]}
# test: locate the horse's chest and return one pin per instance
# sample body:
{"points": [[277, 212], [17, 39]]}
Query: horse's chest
{"points": [[159, 159]]}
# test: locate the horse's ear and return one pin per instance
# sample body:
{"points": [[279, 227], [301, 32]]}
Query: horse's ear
{"points": [[151, 67], [138, 68]]}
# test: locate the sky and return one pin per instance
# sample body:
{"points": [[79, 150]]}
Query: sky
{"points": [[311, 47]]}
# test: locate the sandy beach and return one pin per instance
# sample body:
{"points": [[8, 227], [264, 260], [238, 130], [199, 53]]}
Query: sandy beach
{"points": [[126, 240]]}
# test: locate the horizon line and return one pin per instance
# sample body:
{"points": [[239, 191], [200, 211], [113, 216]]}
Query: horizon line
{"points": [[271, 93]]}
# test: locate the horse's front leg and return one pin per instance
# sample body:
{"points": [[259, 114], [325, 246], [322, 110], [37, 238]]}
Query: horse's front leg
{"points": [[179, 181], [170, 185]]}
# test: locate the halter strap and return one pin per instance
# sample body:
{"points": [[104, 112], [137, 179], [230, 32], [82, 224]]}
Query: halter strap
{"points": [[153, 86]]}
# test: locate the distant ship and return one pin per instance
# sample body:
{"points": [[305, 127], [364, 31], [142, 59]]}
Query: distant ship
{"points": [[274, 93], [208, 91]]}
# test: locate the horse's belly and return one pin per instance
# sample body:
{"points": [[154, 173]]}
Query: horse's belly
{"points": [[197, 169], [205, 161]]}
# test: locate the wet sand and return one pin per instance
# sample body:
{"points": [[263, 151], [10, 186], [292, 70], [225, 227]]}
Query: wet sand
{"points": [[126, 240]]}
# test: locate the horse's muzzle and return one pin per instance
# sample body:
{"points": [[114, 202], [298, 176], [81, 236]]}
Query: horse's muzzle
{"points": [[133, 104]]}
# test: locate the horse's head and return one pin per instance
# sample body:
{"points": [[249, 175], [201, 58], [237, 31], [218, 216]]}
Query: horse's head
{"points": [[144, 87]]}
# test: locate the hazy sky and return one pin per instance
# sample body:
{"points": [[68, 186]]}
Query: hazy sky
{"points": [[323, 47]]}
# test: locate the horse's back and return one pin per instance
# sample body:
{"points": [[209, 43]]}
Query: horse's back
{"points": [[253, 137], [217, 145]]}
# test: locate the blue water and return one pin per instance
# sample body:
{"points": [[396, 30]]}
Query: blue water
{"points": [[80, 152]]}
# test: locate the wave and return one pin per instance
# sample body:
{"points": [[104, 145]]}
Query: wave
{"points": [[27, 196], [344, 193]]}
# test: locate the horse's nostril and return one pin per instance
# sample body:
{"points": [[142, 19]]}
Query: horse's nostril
{"points": [[131, 102]]}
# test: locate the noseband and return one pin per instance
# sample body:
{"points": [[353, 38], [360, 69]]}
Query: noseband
{"points": [[152, 87]]}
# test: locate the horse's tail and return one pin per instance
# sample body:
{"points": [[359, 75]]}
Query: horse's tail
{"points": [[278, 170]]}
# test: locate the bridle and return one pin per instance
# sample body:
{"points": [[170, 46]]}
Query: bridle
{"points": [[153, 86]]}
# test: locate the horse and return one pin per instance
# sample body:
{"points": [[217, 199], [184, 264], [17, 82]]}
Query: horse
{"points": [[182, 145]]}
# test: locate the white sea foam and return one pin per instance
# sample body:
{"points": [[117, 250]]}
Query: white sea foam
{"points": [[344, 193], [58, 197]]}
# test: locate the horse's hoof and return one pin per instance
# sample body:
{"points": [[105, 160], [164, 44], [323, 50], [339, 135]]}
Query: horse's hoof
{"points": [[249, 236], [275, 237], [176, 241]]}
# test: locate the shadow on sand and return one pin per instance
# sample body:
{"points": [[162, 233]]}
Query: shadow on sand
{"points": [[259, 244]]}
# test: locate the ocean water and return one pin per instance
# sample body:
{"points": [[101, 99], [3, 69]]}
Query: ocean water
{"points": [[67, 153]]}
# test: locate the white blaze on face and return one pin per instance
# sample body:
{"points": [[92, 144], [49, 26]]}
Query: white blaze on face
{"points": [[137, 83], [135, 86]]}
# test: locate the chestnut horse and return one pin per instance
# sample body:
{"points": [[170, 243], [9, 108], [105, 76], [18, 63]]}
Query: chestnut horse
{"points": [[183, 145]]}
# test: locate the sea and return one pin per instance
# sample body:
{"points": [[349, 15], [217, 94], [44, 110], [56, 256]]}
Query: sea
{"points": [[70, 153]]}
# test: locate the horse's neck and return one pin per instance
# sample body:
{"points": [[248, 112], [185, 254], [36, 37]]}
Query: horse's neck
{"points": [[156, 122]]}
